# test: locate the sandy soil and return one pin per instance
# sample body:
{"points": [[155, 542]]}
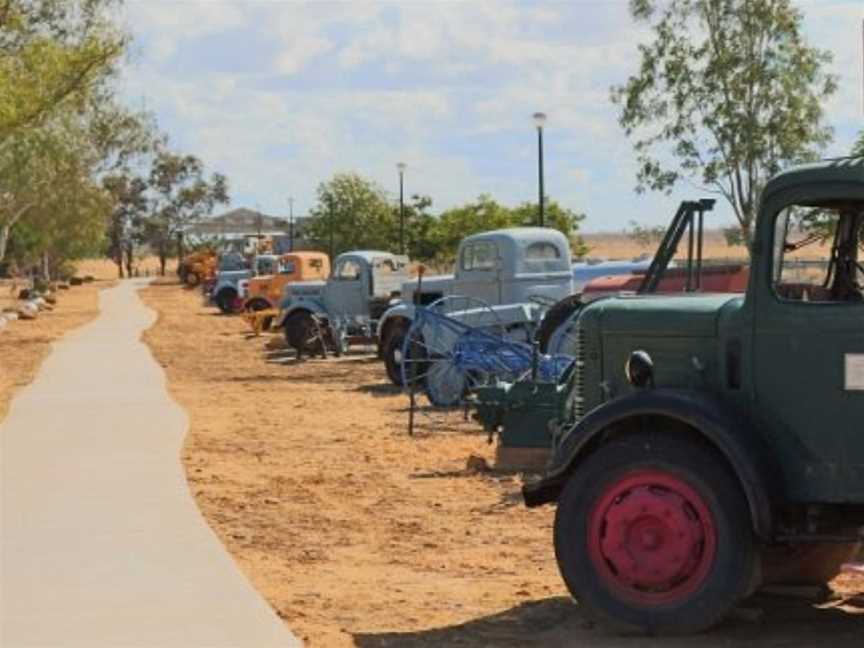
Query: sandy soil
{"points": [[359, 535], [23, 344]]}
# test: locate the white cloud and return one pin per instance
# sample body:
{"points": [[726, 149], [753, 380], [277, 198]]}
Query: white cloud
{"points": [[447, 87], [303, 49], [170, 24]]}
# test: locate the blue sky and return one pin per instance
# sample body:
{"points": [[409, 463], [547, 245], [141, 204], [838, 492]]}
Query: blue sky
{"points": [[282, 95]]}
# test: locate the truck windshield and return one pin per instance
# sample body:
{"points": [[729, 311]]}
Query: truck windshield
{"points": [[543, 256], [481, 255], [818, 253]]}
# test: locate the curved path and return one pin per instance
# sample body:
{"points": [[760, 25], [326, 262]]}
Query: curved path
{"points": [[102, 544]]}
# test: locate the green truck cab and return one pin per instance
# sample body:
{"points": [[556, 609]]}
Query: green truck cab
{"points": [[713, 443]]}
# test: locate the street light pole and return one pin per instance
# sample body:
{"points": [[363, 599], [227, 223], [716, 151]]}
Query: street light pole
{"points": [[401, 168], [290, 224], [540, 121], [330, 219]]}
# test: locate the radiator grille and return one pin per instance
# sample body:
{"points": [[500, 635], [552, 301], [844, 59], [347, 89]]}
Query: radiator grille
{"points": [[579, 375]]}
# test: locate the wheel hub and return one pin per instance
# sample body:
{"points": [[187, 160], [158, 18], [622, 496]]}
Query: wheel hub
{"points": [[653, 536]]}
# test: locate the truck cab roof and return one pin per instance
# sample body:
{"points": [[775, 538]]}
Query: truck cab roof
{"points": [[823, 172], [524, 249], [370, 256]]}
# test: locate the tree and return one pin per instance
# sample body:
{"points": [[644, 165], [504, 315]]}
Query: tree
{"points": [[128, 194], [56, 60], [419, 228], [52, 54], [182, 195], [487, 214], [727, 93], [858, 147], [645, 236], [557, 217], [51, 197], [458, 222], [352, 213], [356, 213]]}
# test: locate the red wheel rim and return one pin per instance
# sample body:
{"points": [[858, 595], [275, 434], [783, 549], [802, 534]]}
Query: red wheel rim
{"points": [[652, 538]]}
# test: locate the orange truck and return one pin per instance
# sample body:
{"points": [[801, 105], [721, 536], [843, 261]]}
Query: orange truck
{"points": [[197, 267], [261, 295]]}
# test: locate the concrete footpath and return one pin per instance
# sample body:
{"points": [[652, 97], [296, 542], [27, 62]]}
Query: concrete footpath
{"points": [[102, 544]]}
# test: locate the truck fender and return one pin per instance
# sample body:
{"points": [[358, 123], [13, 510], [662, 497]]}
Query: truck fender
{"points": [[311, 306], [399, 312], [731, 435]]}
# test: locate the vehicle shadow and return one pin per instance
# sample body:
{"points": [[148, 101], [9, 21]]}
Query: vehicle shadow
{"points": [[766, 622], [379, 389]]}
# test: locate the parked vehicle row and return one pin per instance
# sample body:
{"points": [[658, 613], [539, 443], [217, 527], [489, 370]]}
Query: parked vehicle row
{"points": [[703, 437]]}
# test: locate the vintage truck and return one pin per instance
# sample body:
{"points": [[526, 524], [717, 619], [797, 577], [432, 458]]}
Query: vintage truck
{"points": [[198, 267], [705, 444], [261, 295], [224, 292], [519, 271], [344, 309]]}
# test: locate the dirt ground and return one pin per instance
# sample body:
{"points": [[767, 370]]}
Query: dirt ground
{"points": [[359, 535], [23, 344]]}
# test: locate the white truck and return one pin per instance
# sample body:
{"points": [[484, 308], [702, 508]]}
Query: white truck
{"points": [[345, 307], [519, 272]]}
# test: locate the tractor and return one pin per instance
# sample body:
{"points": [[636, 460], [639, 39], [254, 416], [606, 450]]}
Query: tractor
{"points": [[707, 444]]}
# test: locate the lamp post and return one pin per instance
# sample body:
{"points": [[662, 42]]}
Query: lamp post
{"points": [[540, 121], [401, 168], [330, 217], [290, 224]]}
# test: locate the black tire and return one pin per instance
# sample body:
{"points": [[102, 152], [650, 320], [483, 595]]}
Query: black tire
{"points": [[594, 511], [393, 354], [555, 317], [297, 328], [226, 301]]}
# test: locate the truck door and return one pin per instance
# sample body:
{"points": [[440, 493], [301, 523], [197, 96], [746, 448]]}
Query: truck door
{"points": [[809, 352], [479, 272], [347, 289]]}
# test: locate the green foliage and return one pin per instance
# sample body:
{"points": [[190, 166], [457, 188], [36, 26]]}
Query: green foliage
{"points": [[53, 55], [458, 222], [68, 149], [858, 147], [645, 236], [353, 213], [727, 93], [485, 214], [734, 236], [359, 215], [129, 207], [181, 195], [60, 127]]}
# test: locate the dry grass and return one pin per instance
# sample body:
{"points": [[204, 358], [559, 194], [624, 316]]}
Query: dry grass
{"points": [[618, 246], [23, 344], [107, 269]]}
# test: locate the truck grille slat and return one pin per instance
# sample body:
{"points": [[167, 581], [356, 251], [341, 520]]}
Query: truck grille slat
{"points": [[579, 379]]}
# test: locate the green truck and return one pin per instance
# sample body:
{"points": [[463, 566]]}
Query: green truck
{"points": [[707, 444]]}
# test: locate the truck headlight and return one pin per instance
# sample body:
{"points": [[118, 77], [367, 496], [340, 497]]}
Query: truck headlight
{"points": [[640, 370]]}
